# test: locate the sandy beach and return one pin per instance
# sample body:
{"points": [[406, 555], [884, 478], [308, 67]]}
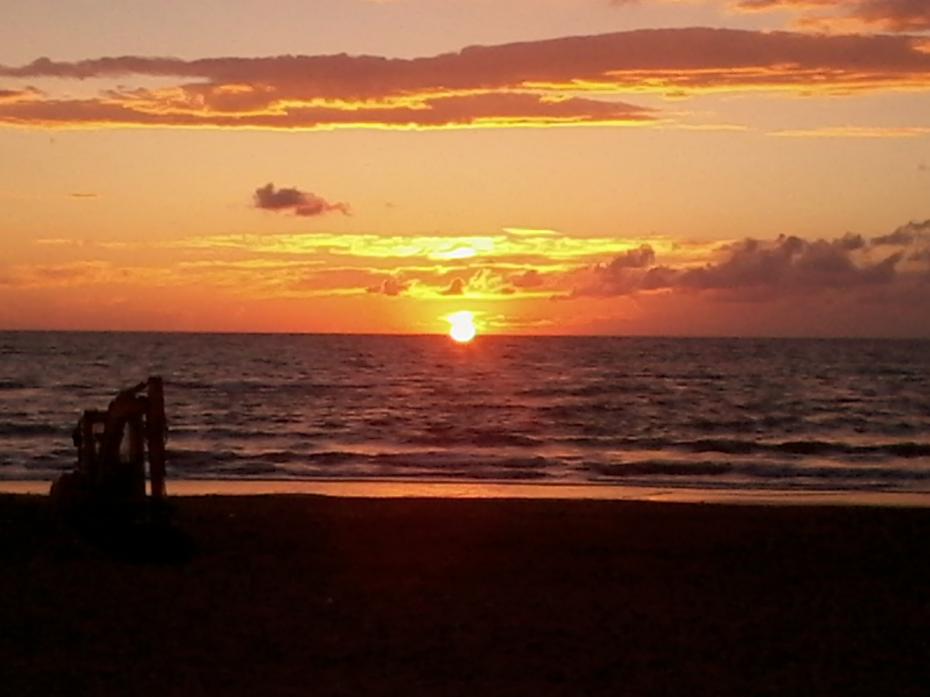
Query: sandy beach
{"points": [[296, 595]]}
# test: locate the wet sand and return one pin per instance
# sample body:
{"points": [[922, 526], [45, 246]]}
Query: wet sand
{"points": [[303, 595]]}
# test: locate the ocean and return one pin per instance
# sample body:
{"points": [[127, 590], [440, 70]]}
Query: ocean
{"points": [[732, 414]]}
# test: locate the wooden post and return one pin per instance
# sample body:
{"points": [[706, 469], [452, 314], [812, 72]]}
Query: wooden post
{"points": [[88, 456], [135, 432], [155, 434]]}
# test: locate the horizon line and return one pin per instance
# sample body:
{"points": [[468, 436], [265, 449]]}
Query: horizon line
{"points": [[748, 337]]}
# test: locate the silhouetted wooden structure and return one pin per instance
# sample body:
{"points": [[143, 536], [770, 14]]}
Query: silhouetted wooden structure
{"points": [[111, 451]]}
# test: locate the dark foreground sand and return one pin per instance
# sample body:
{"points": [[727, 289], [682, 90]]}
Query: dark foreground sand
{"points": [[323, 596]]}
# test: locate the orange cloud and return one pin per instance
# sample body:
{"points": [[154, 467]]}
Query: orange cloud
{"points": [[520, 84], [456, 287], [77, 274], [890, 15], [14, 96], [496, 110], [390, 286]]}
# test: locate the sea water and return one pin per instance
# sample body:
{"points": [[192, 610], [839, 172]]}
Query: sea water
{"points": [[734, 414]]}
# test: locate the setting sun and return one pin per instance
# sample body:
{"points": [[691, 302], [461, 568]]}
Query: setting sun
{"points": [[462, 327]]}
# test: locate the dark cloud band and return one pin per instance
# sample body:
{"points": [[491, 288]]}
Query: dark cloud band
{"points": [[520, 84]]}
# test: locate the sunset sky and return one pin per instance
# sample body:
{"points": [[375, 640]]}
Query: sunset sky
{"points": [[689, 167]]}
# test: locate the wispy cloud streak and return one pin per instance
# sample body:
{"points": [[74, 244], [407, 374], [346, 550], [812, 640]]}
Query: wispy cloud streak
{"points": [[890, 15]]}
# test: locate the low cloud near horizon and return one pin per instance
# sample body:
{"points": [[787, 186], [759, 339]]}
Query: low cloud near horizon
{"points": [[873, 285], [754, 270]]}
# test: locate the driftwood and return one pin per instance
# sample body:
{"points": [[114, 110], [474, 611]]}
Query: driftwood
{"points": [[112, 449]]}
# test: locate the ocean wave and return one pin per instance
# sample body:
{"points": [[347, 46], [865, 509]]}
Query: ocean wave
{"points": [[735, 446], [347, 463], [779, 471], [445, 459], [477, 438], [810, 447], [32, 429], [275, 386], [233, 433]]}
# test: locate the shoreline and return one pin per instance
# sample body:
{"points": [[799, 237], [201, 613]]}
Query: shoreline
{"points": [[394, 489]]}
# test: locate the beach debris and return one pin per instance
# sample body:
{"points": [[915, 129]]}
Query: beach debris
{"points": [[112, 448]]}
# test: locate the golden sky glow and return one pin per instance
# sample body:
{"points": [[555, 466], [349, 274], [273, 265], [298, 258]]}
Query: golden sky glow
{"points": [[553, 166]]}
